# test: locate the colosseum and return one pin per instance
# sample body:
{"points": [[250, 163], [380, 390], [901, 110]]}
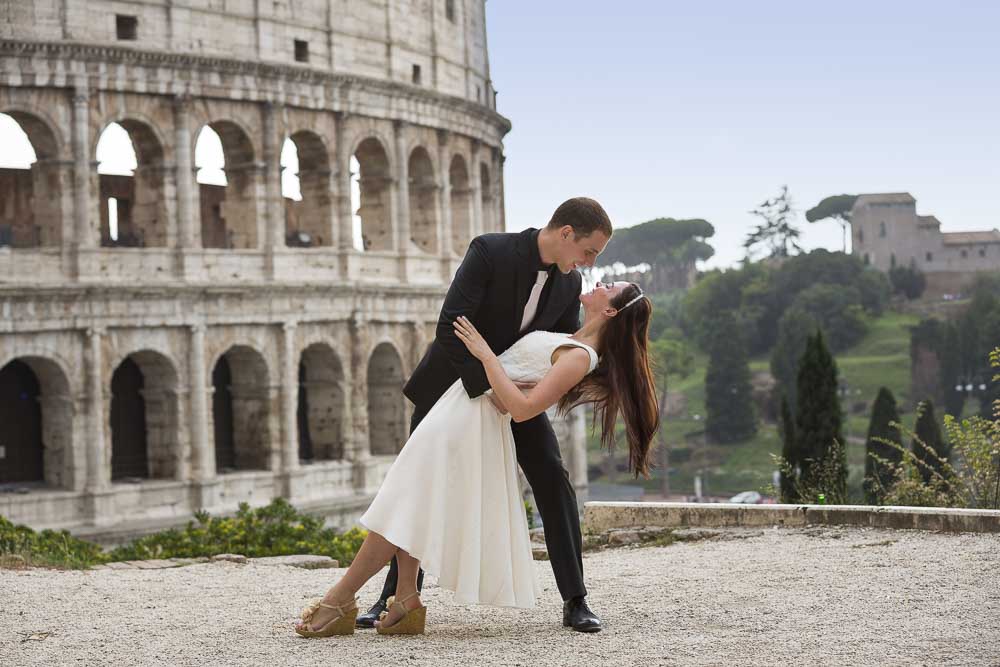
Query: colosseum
{"points": [[170, 344]]}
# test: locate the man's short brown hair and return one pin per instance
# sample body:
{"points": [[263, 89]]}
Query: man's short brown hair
{"points": [[584, 215]]}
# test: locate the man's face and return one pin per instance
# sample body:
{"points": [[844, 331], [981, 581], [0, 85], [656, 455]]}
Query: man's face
{"points": [[574, 252]]}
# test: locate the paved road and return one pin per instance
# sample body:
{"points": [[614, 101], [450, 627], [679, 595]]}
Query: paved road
{"points": [[791, 596]]}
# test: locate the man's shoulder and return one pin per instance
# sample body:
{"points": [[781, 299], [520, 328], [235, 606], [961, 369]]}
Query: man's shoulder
{"points": [[498, 239], [500, 245]]}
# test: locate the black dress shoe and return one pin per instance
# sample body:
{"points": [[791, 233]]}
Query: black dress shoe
{"points": [[367, 619], [577, 615]]}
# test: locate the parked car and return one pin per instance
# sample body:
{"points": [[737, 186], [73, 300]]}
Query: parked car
{"points": [[747, 498]]}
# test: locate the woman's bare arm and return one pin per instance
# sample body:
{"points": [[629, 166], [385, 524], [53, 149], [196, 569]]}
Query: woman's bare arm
{"points": [[570, 367], [566, 373]]}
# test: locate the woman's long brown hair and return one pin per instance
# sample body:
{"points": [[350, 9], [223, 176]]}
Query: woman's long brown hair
{"points": [[623, 382]]}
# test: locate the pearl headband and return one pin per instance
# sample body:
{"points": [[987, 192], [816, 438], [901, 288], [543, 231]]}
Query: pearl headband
{"points": [[633, 300]]}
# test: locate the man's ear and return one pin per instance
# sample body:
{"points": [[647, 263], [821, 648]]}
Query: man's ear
{"points": [[565, 232]]}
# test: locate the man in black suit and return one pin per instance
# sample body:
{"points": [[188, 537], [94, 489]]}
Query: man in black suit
{"points": [[510, 285]]}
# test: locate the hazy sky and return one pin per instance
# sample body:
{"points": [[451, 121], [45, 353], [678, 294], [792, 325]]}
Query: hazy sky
{"points": [[703, 110]]}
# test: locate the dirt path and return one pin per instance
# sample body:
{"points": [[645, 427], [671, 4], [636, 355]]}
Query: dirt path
{"points": [[790, 597]]}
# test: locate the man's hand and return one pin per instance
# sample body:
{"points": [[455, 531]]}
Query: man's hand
{"points": [[525, 387], [474, 341]]}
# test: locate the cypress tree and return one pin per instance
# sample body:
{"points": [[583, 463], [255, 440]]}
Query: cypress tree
{"points": [[789, 453], [818, 422], [878, 476], [928, 432], [729, 409]]}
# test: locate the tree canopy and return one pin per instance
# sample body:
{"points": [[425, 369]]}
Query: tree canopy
{"points": [[665, 244], [837, 207], [777, 230]]}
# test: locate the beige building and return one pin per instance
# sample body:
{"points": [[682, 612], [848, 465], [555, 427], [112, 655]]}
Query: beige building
{"points": [[887, 232], [168, 345]]}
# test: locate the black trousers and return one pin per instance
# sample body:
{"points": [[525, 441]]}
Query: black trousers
{"points": [[538, 455]]}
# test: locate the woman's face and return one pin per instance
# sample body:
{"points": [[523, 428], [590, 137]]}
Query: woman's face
{"points": [[600, 297]]}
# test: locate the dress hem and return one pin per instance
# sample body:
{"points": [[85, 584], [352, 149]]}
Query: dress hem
{"points": [[434, 570]]}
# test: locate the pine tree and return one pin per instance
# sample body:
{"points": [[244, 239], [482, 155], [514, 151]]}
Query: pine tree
{"points": [[878, 476], [818, 423], [928, 432], [729, 409], [789, 454]]}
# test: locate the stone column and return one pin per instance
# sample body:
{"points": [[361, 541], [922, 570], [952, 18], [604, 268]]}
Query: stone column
{"points": [[495, 215], [206, 485], [365, 466], [342, 194], [98, 497], [274, 238], [52, 183], [358, 397], [98, 457], [289, 392], [401, 209], [444, 191], [84, 235], [203, 465], [444, 227], [475, 175], [187, 222]]}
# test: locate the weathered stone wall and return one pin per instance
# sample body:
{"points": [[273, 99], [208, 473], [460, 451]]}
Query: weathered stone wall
{"points": [[271, 351], [369, 38]]}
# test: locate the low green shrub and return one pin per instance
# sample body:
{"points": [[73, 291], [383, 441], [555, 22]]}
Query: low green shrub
{"points": [[277, 529], [971, 480], [21, 546]]}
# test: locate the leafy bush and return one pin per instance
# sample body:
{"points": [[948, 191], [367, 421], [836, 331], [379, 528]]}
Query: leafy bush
{"points": [[20, 545], [837, 310], [275, 530], [926, 479], [833, 287], [826, 478]]}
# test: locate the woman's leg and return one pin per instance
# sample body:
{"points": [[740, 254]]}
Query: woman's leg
{"points": [[374, 553], [406, 585]]}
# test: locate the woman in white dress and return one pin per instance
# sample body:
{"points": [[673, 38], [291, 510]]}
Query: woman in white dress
{"points": [[451, 504]]}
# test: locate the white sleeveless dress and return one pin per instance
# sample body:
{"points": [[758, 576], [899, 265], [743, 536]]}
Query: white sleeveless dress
{"points": [[451, 498]]}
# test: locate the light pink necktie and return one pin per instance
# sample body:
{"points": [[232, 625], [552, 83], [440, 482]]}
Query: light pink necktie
{"points": [[532, 305]]}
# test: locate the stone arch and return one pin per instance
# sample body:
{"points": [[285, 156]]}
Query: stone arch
{"points": [[423, 204], [461, 205], [486, 193], [309, 221], [31, 200], [134, 207], [144, 419], [322, 399], [36, 410], [241, 404], [371, 194], [386, 409], [229, 212]]}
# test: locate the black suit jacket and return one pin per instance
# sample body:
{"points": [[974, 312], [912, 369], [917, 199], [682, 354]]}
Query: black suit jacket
{"points": [[491, 288]]}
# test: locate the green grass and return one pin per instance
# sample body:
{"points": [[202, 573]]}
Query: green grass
{"points": [[881, 358]]}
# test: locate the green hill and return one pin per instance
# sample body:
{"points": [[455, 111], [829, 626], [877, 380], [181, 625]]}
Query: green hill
{"points": [[881, 358]]}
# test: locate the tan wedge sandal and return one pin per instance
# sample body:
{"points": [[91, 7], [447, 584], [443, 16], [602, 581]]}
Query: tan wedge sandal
{"points": [[410, 623], [343, 624]]}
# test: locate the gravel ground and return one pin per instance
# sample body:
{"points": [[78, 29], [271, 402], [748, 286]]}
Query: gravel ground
{"points": [[790, 596]]}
